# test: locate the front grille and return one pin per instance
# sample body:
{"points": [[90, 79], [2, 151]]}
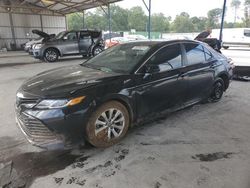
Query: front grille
{"points": [[35, 131]]}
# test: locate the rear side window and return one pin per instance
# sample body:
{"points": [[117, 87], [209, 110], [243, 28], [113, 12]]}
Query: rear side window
{"points": [[195, 53], [208, 54], [167, 58]]}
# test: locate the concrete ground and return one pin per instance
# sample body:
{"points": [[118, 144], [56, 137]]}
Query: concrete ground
{"points": [[206, 145]]}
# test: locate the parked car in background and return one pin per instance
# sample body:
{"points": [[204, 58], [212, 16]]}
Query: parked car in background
{"points": [[136, 37], [99, 100], [42, 38], [116, 40], [66, 43]]}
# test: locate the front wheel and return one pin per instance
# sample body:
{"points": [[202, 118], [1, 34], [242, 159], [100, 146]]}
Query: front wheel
{"points": [[217, 92], [51, 55], [107, 125]]}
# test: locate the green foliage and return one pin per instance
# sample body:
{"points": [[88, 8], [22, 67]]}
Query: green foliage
{"points": [[160, 23], [182, 23], [235, 3], [213, 18], [75, 21], [135, 18]]}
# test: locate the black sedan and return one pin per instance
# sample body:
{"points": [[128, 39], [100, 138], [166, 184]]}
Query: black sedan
{"points": [[99, 100]]}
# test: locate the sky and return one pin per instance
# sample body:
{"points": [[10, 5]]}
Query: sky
{"points": [[192, 7]]}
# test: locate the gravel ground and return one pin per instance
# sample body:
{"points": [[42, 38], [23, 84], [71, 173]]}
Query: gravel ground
{"points": [[205, 145]]}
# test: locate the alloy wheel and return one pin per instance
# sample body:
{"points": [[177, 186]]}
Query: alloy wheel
{"points": [[51, 55], [110, 124]]}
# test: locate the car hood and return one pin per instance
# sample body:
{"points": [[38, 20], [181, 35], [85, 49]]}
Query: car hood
{"points": [[41, 33], [64, 81]]}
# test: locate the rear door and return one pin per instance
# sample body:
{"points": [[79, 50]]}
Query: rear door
{"points": [[85, 42], [199, 69], [162, 86]]}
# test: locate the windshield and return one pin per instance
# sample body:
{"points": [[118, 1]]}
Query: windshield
{"points": [[60, 35], [121, 58]]}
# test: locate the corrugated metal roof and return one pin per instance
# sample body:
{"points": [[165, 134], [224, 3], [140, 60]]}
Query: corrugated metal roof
{"points": [[53, 6]]}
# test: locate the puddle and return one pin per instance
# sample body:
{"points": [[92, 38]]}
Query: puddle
{"points": [[27, 167], [212, 156]]}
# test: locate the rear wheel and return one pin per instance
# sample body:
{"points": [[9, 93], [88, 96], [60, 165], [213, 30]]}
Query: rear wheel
{"points": [[97, 50], [108, 124], [218, 90], [51, 55]]}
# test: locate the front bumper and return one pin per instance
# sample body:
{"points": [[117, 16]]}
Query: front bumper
{"points": [[37, 54], [53, 128]]}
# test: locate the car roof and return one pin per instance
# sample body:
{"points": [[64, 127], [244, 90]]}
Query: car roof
{"points": [[161, 42]]}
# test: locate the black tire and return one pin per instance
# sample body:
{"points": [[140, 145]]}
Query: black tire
{"points": [[99, 132], [225, 47], [51, 55], [96, 50], [218, 90]]}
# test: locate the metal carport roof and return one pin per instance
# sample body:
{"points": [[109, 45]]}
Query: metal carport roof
{"points": [[58, 7], [63, 7]]}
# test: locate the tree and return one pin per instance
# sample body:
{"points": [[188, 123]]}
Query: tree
{"points": [[160, 23], [213, 17], [235, 4], [137, 19], [199, 23], [75, 21], [247, 13], [182, 23]]}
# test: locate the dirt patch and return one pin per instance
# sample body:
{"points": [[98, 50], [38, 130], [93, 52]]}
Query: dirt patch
{"points": [[212, 156], [26, 167]]}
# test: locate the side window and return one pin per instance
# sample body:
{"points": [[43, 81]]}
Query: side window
{"points": [[195, 53], [167, 58], [71, 36], [84, 35], [208, 54]]}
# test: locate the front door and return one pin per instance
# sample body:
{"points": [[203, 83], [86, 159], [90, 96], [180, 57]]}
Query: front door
{"points": [[162, 86], [70, 43]]}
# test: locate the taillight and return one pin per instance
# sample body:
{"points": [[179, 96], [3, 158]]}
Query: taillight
{"points": [[231, 63]]}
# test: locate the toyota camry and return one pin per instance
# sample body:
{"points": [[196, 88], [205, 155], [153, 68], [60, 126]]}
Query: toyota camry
{"points": [[100, 99]]}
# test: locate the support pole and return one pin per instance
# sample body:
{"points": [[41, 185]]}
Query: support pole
{"points": [[12, 30], [148, 7], [83, 19], [222, 20], [149, 20], [109, 18], [41, 20]]}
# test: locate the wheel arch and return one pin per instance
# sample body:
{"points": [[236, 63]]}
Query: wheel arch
{"points": [[52, 47], [124, 101], [224, 76]]}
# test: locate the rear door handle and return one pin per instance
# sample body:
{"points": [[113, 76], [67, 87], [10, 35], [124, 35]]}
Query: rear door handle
{"points": [[182, 74]]}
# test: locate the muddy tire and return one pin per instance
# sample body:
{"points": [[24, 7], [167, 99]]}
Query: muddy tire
{"points": [[218, 90], [51, 55], [107, 125]]}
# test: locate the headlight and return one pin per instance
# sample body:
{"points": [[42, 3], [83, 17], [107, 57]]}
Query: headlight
{"points": [[58, 103], [38, 46]]}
